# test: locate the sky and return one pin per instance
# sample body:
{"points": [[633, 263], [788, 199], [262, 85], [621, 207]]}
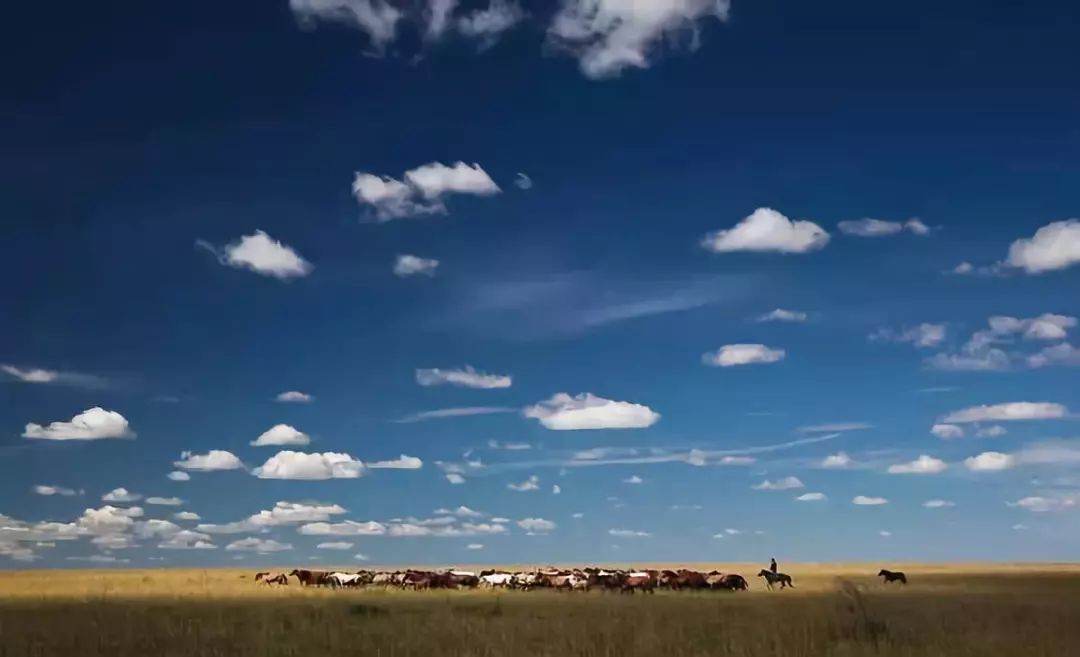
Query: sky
{"points": [[374, 282]]}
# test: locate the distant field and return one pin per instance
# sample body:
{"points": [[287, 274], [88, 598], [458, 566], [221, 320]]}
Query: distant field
{"points": [[836, 610]]}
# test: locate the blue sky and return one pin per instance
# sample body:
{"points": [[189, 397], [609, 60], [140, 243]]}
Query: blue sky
{"points": [[548, 282]]}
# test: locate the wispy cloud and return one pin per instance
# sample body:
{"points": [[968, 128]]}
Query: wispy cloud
{"points": [[465, 411]]}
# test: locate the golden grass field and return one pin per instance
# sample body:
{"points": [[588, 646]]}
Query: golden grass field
{"points": [[835, 611]]}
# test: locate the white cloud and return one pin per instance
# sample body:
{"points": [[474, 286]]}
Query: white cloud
{"points": [[54, 490], [262, 254], [863, 500], [787, 483], [410, 265], [633, 479], [990, 462], [165, 501], [1051, 452], [461, 511], [781, 315], [514, 447], [466, 411], [880, 228], [838, 460], [609, 36], [992, 431], [885, 533], [177, 475], [99, 558], [294, 397], [811, 497], [108, 520], [925, 464], [522, 181], [422, 190], [345, 528], [187, 515], [114, 542], [1043, 504], [187, 540], [1054, 246], [288, 464], [467, 377], [215, 459], [401, 463], [281, 434], [922, 335], [768, 230], [40, 375], [474, 546], [1063, 354], [488, 23], [947, 431], [262, 546], [377, 18], [730, 460], [628, 533], [121, 495], [556, 489], [587, 411], [1008, 412], [938, 504], [732, 355], [92, 424], [834, 427], [334, 545], [964, 268], [536, 525], [361, 557], [532, 483], [455, 478], [155, 528]]}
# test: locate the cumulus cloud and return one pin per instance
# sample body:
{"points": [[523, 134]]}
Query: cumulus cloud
{"points": [[1010, 411], [609, 36], [187, 540], [187, 515], [410, 265], [633, 479], [782, 315], [54, 490], [992, 431], [165, 501], [536, 525], [938, 504], [488, 23], [1040, 504], [281, 434], [261, 254], [177, 475], [377, 18], [838, 460], [155, 528], [344, 528], [455, 478], [811, 497], [732, 355], [530, 484], [1063, 354], [114, 542], [982, 352], [475, 546], [403, 462], [880, 228], [461, 511], [121, 495], [628, 533], [294, 397], [92, 424], [422, 190], [947, 431], [768, 230], [215, 459], [787, 483], [287, 464], [923, 335], [925, 464], [108, 520], [466, 377], [334, 545], [259, 545], [863, 500], [587, 411], [1054, 246], [990, 462], [40, 375]]}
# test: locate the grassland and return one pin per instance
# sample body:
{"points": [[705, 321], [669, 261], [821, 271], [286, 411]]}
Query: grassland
{"points": [[835, 611]]}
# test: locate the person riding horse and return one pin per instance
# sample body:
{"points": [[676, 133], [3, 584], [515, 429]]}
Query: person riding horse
{"points": [[772, 565]]}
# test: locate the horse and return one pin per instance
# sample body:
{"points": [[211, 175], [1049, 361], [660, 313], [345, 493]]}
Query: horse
{"points": [[734, 583], [893, 576], [259, 576], [772, 578], [310, 577]]}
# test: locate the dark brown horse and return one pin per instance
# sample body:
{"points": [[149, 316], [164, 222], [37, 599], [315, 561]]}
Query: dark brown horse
{"points": [[733, 583], [310, 577], [893, 576]]}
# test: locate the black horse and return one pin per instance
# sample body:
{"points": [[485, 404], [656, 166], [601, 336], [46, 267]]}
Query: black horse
{"points": [[893, 576]]}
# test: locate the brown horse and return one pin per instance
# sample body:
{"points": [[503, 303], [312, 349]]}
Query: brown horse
{"points": [[733, 583], [310, 577], [893, 576]]}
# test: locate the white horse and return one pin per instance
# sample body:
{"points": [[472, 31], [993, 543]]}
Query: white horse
{"points": [[344, 579], [497, 579]]}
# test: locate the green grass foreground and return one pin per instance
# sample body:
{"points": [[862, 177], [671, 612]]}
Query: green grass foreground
{"points": [[836, 611]]}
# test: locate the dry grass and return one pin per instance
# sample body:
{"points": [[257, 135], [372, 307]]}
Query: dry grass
{"points": [[837, 611]]}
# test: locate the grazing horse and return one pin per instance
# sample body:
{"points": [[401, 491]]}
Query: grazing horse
{"points": [[734, 583], [772, 578], [269, 579], [893, 576], [310, 577]]}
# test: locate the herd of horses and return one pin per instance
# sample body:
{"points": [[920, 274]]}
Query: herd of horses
{"points": [[583, 579]]}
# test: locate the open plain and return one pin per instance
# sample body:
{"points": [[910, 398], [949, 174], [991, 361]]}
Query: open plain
{"points": [[836, 610]]}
